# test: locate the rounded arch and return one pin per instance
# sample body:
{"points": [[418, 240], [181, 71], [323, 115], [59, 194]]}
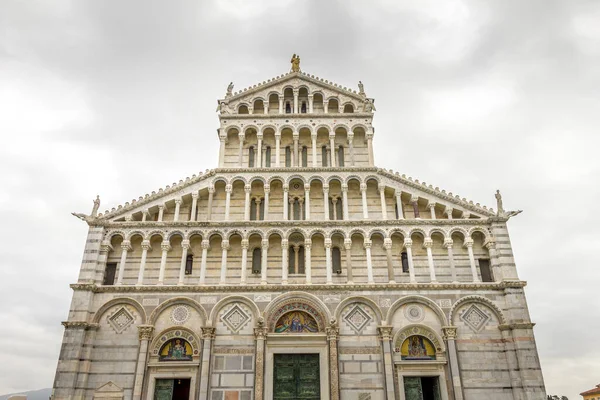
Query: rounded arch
{"points": [[460, 230], [317, 231], [131, 234], [236, 178], [268, 126], [307, 126], [234, 231], [275, 231], [322, 126], [277, 308], [399, 231], [417, 299], [420, 231], [178, 300], [363, 126], [379, 231], [337, 232], [480, 229], [287, 126], [254, 232], [155, 232], [236, 127], [115, 302], [216, 232], [170, 234], [304, 87], [274, 92], [196, 232], [359, 231], [302, 232], [372, 177], [440, 231], [358, 299], [257, 178], [335, 177], [243, 107], [420, 330], [353, 177], [174, 332], [218, 179], [252, 126], [276, 178], [295, 176], [341, 125], [233, 299], [316, 178], [109, 236], [481, 300]]}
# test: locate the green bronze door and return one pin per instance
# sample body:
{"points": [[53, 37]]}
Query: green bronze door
{"points": [[296, 377], [412, 388], [163, 389]]}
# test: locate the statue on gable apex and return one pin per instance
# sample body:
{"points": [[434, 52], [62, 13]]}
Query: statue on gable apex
{"points": [[361, 89], [229, 90], [96, 206], [295, 63], [499, 202]]}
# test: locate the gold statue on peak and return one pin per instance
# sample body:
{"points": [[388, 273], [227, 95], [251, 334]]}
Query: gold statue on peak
{"points": [[295, 63]]}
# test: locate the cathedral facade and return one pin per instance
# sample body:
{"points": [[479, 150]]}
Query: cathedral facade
{"points": [[297, 269]]}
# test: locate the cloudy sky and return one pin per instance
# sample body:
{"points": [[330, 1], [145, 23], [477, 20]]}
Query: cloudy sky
{"points": [[119, 98]]}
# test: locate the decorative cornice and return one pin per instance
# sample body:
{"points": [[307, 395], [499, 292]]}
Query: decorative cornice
{"points": [[337, 116], [516, 325], [79, 325]]}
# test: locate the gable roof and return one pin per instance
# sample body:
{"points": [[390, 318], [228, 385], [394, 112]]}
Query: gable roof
{"points": [[595, 390]]}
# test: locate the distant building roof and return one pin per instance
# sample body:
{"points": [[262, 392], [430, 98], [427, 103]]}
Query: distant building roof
{"points": [[595, 390]]}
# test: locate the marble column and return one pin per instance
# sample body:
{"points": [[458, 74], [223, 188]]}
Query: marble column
{"points": [[307, 201], [415, 205], [259, 151], [431, 206], [260, 335], [307, 256], [332, 146], [263, 259], [280, 104], [145, 247], [328, 265], [257, 202], [266, 107], [243, 267], [383, 205], [267, 189], [469, 245], [194, 206], [348, 247], [177, 208], [385, 335], [161, 211], [448, 212], [326, 201], [310, 103], [490, 244], [205, 247], [449, 244], [334, 375], [247, 190], [105, 247], [185, 246], [399, 204], [208, 335], [241, 151], [228, 190], [284, 261], [301, 203], [368, 245], [411, 266], [325, 106], [313, 138], [370, 148], [363, 192], [346, 215], [428, 244], [286, 189], [296, 109], [145, 336], [125, 247], [334, 201], [145, 214], [351, 146], [278, 149], [165, 247], [387, 245], [449, 335], [224, 249], [296, 160], [211, 192]]}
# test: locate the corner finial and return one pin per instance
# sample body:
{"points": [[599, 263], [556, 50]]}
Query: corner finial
{"points": [[229, 90], [96, 206], [295, 63]]}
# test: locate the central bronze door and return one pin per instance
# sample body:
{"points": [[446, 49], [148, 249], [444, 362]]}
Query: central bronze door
{"points": [[296, 377]]}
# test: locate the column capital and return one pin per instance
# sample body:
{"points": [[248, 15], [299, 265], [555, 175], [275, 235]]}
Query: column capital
{"points": [[408, 242], [165, 246], [178, 201], [125, 245], [385, 332], [245, 244], [490, 244], [331, 135], [211, 189], [310, 96], [105, 246], [296, 91], [295, 135], [466, 215], [242, 137], [267, 188], [332, 332], [431, 204], [347, 244], [387, 243], [264, 244], [257, 200], [259, 135], [301, 200], [368, 243], [449, 332], [350, 136], [363, 187], [326, 187], [428, 243], [448, 243], [260, 333], [225, 245], [328, 243], [286, 188], [278, 135], [307, 243], [146, 245], [185, 244], [162, 206], [228, 188], [414, 198], [468, 243], [208, 333], [381, 187], [205, 244], [313, 135], [285, 243], [344, 187], [247, 188], [195, 195], [307, 187], [448, 211], [145, 332], [129, 218]]}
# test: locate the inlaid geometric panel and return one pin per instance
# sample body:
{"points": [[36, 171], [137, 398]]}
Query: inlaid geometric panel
{"points": [[474, 318], [414, 313], [120, 320], [235, 319], [357, 318], [180, 314]]}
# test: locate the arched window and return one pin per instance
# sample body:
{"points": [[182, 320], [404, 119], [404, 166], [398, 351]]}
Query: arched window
{"points": [[348, 108], [296, 260], [288, 156], [109, 274], [301, 260], [243, 109], [189, 261], [339, 209], [341, 156], [256, 260], [336, 260], [304, 156], [252, 210], [324, 156], [404, 258], [303, 108], [268, 157], [251, 157], [288, 107]]}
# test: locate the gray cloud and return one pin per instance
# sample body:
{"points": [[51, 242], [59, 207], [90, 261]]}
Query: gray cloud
{"points": [[475, 96]]}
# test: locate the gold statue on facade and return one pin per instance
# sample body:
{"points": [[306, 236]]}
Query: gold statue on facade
{"points": [[295, 63]]}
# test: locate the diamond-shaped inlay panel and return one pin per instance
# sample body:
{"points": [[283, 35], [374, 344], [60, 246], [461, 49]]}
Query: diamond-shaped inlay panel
{"points": [[357, 318], [475, 318], [235, 318], [120, 320]]}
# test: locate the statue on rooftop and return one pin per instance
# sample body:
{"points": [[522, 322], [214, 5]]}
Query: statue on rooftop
{"points": [[499, 202], [96, 206], [295, 63], [229, 90], [224, 108], [369, 106], [361, 88]]}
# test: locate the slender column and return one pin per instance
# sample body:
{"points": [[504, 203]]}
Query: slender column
{"points": [[448, 212], [301, 203], [399, 204], [278, 149], [368, 245], [363, 192], [310, 103], [328, 265], [334, 201], [431, 206], [177, 208], [208, 335], [448, 243], [125, 247], [370, 148], [260, 334], [284, 261], [428, 244], [414, 201], [263, 260], [145, 247], [259, 151], [224, 248], [469, 245], [332, 145], [105, 247], [211, 192], [266, 107], [223, 140], [144, 335], [228, 189], [194, 206], [205, 247], [351, 146], [296, 259], [385, 335], [267, 191], [496, 272], [326, 201], [161, 211], [345, 202], [296, 160], [449, 335], [296, 101], [247, 189], [165, 247], [307, 200], [328, 151], [185, 246], [334, 375], [326, 106], [387, 245], [241, 151], [257, 201], [243, 267], [411, 265], [383, 205], [307, 257], [348, 247], [313, 138], [144, 215], [280, 104], [286, 188]]}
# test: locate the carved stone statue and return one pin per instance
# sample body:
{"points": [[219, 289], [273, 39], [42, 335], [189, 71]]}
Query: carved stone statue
{"points": [[295, 63], [369, 106], [224, 108], [96, 206], [361, 88], [510, 214], [229, 90], [499, 202]]}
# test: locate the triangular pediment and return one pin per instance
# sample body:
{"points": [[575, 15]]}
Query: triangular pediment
{"points": [[109, 387]]}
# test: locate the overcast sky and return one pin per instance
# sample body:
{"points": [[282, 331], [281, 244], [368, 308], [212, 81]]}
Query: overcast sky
{"points": [[119, 99]]}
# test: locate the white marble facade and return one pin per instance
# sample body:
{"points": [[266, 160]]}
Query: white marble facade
{"points": [[297, 217]]}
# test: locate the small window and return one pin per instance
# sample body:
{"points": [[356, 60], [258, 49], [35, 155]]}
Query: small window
{"points": [[304, 156], [251, 157], [336, 260], [339, 209], [324, 156], [341, 156], [256, 260], [296, 211], [303, 108], [331, 209], [396, 210], [268, 157], [288, 156], [189, 261], [348, 108], [261, 210], [109, 274], [288, 108], [486, 272], [301, 260], [404, 258], [243, 109], [252, 210], [293, 267]]}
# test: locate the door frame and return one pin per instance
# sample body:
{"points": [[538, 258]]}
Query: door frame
{"points": [[175, 373], [307, 343], [425, 369]]}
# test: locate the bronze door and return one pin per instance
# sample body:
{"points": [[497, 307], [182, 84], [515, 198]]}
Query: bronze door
{"points": [[296, 377]]}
